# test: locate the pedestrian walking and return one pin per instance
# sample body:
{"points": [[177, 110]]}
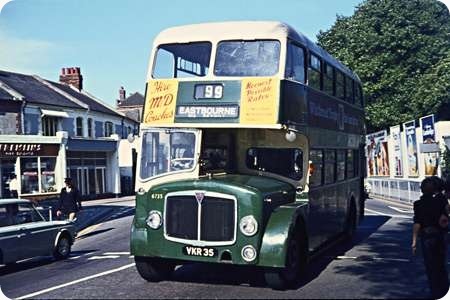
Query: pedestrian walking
{"points": [[69, 201], [13, 186], [430, 224]]}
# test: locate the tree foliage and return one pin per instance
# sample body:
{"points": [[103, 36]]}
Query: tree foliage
{"points": [[401, 51]]}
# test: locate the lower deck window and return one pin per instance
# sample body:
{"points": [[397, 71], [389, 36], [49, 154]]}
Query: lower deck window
{"points": [[287, 162]]}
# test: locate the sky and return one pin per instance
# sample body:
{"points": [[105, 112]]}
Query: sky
{"points": [[111, 40]]}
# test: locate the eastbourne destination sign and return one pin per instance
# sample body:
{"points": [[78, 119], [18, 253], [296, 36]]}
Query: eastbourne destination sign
{"points": [[216, 111]]}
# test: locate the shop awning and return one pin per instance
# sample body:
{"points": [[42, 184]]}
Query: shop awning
{"points": [[54, 113]]}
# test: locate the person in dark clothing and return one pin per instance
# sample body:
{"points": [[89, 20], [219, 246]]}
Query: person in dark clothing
{"points": [[69, 201], [430, 214]]}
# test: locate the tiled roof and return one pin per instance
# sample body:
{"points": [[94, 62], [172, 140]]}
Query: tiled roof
{"points": [[34, 91], [5, 95], [93, 104], [40, 91], [133, 100]]}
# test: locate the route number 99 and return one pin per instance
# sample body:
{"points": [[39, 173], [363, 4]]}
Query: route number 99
{"points": [[208, 91]]}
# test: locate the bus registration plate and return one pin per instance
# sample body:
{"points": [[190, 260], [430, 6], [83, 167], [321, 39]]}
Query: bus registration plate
{"points": [[199, 251]]}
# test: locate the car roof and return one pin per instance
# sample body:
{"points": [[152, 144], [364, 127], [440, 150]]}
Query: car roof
{"points": [[13, 200]]}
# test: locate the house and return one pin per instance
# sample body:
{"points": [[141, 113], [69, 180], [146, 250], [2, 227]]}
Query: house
{"points": [[131, 106], [52, 130]]}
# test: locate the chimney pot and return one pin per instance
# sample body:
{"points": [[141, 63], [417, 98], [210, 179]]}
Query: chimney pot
{"points": [[72, 76], [122, 94]]}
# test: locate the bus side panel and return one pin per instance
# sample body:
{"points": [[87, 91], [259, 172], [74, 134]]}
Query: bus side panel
{"points": [[293, 103], [274, 242]]}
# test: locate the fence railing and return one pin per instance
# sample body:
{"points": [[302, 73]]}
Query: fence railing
{"points": [[395, 189]]}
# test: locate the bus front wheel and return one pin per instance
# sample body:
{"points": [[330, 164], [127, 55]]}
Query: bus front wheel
{"points": [[154, 269], [296, 261]]}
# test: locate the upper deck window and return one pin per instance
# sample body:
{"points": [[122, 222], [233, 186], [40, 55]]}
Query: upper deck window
{"points": [[182, 60], [247, 58], [295, 63], [314, 71]]}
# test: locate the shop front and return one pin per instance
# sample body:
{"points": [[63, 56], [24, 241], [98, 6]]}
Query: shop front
{"points": [[34, 164], [93, 167]]}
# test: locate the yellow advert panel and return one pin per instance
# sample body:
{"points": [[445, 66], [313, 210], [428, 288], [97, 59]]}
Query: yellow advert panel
{"points": [[259, 101], [160, 101]]}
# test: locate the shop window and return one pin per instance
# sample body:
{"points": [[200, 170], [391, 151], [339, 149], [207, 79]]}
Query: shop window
{"points": [[49, 126], [108, 129], [79, 126], [90, 128], [340, 84], [330, 166], [328, 79], [316, 158], [314, 71], [295, 65], [340, 165], [29, 175], [48, 181]]}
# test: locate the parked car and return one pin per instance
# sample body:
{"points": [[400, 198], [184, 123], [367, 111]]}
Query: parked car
{"points": [[26, 233]]}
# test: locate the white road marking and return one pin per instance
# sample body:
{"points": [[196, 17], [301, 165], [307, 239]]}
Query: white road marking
{"points": [[402, 210], [75, 257], [388, 215], [76, 281], [103, 257], [116, 253], [346, 257]]}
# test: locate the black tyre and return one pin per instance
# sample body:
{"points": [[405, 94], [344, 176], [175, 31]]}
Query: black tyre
{"points": [[154, 269], [350, 225], [296, 263], [63, 247]]}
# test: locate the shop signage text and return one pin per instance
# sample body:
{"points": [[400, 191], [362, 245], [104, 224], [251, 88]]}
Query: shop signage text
{"points": [[23, 149]]}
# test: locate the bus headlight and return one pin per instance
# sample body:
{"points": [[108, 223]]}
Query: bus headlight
{"points": [[248, 225], [154, 219], [248, 253]]}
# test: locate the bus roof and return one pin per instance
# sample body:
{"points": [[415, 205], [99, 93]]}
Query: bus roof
{"points": [[246, 30]]}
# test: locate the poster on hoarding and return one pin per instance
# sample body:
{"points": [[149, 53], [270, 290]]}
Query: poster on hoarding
{"points": [[377, 154], [411, 148], [429, 137], [396, 139]]}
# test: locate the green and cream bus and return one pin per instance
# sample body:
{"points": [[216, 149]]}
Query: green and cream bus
{"points": [[250, 151]]}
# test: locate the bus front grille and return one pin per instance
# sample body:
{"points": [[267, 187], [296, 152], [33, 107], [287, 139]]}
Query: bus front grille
{"points": [[216, 222]]}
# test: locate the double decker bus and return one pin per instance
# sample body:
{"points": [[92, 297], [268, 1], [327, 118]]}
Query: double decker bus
{"points": [[250, 151]]}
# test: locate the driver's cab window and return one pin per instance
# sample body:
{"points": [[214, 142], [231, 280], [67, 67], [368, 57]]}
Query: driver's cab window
{"points": [[287, 162], [167, 151]]}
